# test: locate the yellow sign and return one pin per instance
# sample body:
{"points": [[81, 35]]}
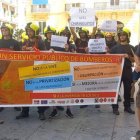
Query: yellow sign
{"points": [[50, 69]]}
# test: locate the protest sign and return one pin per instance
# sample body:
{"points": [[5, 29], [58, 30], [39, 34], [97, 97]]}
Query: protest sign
{"points": [[109, 26], [81, 17], [58, 41], [97, 45]]}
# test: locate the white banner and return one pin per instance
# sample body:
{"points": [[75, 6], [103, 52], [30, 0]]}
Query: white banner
{"points": [[58, 41], [109, 26], [81, 17], [97, 45]]}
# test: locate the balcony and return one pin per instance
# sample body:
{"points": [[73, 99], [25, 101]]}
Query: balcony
{"points": [[122, 5], [10, 2], [69, 6], [40, 9]]}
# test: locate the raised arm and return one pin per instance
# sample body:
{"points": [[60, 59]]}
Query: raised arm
{"points": [[94, 28], [72, 29]]}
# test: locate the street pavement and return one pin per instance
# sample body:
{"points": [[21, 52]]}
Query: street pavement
{"points": [[88, 124]]}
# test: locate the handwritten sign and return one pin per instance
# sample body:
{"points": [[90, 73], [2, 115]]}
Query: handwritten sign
{"points": [[58, 41], [97, 45], [109, 26], [81, 17]]}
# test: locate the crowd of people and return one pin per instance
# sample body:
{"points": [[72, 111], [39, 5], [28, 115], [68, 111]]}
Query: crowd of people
{"points": [[77, 43]]}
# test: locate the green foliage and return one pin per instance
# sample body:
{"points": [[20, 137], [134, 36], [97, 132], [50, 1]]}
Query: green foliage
{"points": [[17, 34]]}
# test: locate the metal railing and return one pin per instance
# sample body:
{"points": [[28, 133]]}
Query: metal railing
{"points": [[69, 6], [122, 5]]}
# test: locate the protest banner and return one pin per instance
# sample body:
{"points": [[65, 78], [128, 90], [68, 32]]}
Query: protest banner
{"points": [[109, 26], [81, 17], [97, 45], [70, 80], [58, 41]]}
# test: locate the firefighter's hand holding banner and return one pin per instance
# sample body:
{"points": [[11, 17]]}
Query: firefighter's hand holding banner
{"points": [[51, 79]]}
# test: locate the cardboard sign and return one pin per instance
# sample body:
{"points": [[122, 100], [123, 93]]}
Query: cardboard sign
{"points": [[97, 45], [109, 26], [81, 17], [58, 41]]}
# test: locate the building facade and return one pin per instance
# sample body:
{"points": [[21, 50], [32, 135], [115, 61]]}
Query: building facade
{"points": [[125, 11], [56, 13], [52, 13], [8, 11]]}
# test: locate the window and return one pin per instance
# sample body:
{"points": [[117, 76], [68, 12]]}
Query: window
{"points": [[67, 7], [114, 2], [12, 13], [73, 4], [117, 2], [4, 10], [42, 25], [111, 2], [42, 6], [76, 4]]}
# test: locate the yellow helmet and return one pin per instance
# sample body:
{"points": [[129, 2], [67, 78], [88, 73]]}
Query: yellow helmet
{"points": [[126, 31], [49, 29], [33, 27], [66, 30], [24, 36], [109, 34], [8, 26], [84, 30], [99, 33], [61, 30]]}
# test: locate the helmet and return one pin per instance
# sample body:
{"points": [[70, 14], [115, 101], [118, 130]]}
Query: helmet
{"points": [[8, 26], [33, 27], [99, 33], [65, 30], [83, 30], [24, 36], [109, 34], [125, 31], [49, 29]]}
